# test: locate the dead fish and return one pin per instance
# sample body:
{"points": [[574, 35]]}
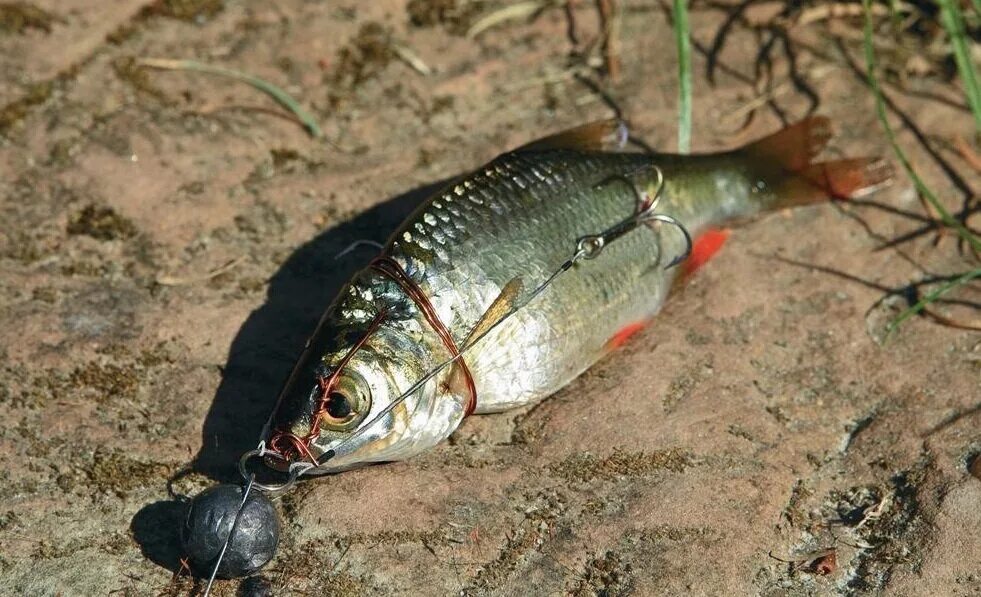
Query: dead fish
{"points": [[373, 384]]}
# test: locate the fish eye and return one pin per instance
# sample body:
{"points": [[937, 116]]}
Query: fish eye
{"points": [[346, 405], [338, 406]]}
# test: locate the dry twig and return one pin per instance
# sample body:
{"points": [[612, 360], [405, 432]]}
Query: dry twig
{"points": [[164, 280]]}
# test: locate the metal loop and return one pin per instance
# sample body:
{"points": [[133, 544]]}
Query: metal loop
{"points": [[295, 470], [589, 247]]}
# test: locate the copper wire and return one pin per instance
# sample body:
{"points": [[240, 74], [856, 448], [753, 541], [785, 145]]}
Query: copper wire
{"points": [[325, 384], [290, 446], [391, 268]]}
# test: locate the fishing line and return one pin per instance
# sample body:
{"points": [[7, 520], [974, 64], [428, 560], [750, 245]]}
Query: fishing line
{"points": [[231, 533], [359, 243], [587, 248]]}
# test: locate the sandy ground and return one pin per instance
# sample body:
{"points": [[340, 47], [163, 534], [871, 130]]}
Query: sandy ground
{"points": [[167, 240]]}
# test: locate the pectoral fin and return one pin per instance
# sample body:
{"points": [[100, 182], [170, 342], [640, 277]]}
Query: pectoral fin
{"points": [[706, 246], [498, 309], [458, 382]]}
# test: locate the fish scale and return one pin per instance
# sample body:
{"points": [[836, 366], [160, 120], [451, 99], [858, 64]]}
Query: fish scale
{"points": [[494, 236], [539, 204]]}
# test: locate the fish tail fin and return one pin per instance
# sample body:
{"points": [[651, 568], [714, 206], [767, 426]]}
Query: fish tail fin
{"points": [[785, 159], [840, 179], [794, 146], [781, 172]]}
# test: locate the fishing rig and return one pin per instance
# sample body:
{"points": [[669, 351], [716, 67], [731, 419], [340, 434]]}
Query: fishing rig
{"points": [[237, 525]]}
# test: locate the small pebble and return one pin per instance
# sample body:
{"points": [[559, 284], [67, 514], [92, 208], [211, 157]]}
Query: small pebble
{"points": [[974, 466]]}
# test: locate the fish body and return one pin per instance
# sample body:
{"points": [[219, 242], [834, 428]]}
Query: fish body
{"points": [[484, 243]]}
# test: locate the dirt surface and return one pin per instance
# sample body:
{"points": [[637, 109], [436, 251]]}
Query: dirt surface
{"points": [[167, 240]]}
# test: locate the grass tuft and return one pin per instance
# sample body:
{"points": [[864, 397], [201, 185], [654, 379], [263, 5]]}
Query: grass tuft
{"points": [[921, 187], [931, 297]]}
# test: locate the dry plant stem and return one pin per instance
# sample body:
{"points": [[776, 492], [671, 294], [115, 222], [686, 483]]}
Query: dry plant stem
{"points": [[844, 31], [164, 280], [520, 10], [838, 10], [970, 324], [406, 55], [571, 30], [610, 24], [967, 152], [817, 73], [937, 221]]}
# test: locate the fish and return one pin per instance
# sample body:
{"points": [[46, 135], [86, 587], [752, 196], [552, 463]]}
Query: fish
{"points": [[452, 318]]}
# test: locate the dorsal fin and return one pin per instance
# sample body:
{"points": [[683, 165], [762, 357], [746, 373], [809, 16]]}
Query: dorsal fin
{"points": [[601, 135]]}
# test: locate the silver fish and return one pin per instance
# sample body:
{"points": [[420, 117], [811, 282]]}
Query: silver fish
{"points": [[456, 269]]}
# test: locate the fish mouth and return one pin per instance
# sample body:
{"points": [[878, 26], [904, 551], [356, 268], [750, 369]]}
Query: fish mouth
{"points": [[285, 448]]}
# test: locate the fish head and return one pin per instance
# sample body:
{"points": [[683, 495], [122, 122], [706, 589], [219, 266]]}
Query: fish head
{"points": [[347, 406]]}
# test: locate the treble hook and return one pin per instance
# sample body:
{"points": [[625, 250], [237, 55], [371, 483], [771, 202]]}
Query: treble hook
{"points": [[590, 246]]}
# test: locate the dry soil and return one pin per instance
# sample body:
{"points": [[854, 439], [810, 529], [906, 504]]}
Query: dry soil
{"points": [[168, 239]]}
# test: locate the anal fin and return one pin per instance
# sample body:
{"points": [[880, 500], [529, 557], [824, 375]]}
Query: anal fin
{"points": [[625, 333]]}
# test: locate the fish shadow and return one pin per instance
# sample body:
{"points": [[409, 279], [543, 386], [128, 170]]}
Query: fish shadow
{"points": [[272, 338]]}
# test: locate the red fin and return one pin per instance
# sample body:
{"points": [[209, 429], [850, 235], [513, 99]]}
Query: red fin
{"points": [[620, 338], [704, 248], [847, 179], [796, 180], [795, 146]]}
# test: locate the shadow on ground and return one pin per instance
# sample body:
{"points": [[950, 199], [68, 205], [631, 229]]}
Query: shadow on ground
{"points": [[262, 355], [272, 338], [155, 529]]}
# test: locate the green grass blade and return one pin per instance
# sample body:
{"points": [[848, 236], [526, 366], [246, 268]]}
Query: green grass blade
{"points": [[953, 22], [283, 98], [880, 107], [681, 34], [931, 297]]}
